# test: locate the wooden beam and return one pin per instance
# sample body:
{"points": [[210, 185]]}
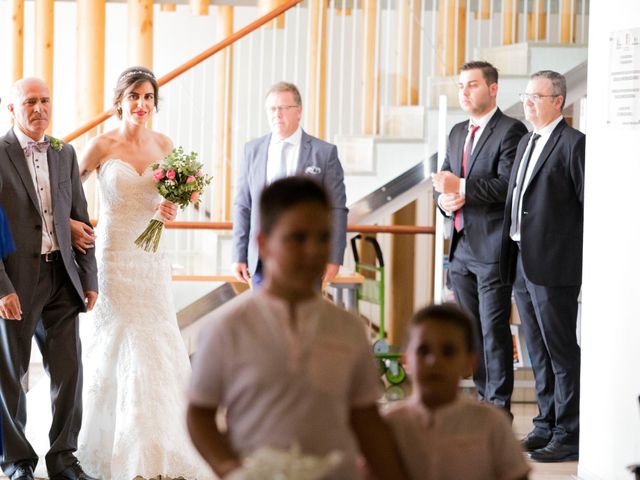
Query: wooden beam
{"points": [[90, 58], [509, 16], [369, 75], [451, 32], [568, 22], [90, 61], [402, 55], [265, 6], [402, 276], [317, 53], [484, 10], [17, 40], [199, 7], [537, 21], [222, 118], [141, 32], [44, 45], [168, 7]]}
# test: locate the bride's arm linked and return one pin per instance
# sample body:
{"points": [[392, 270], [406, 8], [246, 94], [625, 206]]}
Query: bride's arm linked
{"points": [[82, 235]]}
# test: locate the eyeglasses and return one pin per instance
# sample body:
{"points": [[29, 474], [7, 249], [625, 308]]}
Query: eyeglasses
{"points": [[534, 97], [281, 108]]}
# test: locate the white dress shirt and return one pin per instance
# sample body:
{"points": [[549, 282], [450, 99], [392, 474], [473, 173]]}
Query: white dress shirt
{"points": [[545, 133], [292, 153], [39, 170]]}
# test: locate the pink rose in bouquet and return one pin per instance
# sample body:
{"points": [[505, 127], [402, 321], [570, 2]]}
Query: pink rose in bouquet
{"points": [[179, 179]]}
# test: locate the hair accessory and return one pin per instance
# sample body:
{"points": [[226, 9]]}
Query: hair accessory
{"points": [[137, 72]]}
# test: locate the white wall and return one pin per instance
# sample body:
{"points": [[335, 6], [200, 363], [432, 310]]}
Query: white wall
{"points": [[610, 414]]}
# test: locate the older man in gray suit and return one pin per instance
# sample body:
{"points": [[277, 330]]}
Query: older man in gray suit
{"points": [[287, 150], [43, 285]]}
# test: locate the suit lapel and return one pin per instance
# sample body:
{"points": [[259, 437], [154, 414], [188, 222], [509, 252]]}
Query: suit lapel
{"points": [[486, 133], [16, 156], [304, 156], [261, 165], [548, 148], [459, 149], [52, 162]]}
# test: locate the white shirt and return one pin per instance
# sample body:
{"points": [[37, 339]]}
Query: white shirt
{"points": [[545, 133], [292, 153], [461, 440], [39, 170], [283, 385], [482, 123]]}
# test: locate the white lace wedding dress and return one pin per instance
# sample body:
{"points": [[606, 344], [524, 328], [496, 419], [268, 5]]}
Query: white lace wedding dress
{"points": [[136, 365]]}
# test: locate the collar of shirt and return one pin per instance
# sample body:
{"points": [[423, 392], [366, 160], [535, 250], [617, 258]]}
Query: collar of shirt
{"points": [[23, 139], [298, 335], [545, 132], [294, 139], [482, 121], [303, 308], [430, 417]]}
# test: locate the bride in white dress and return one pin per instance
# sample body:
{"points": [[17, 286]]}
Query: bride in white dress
{"points": [[135, 363]]}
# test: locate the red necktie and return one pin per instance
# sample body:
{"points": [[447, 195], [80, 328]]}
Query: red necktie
{"points": [[457, 221]]}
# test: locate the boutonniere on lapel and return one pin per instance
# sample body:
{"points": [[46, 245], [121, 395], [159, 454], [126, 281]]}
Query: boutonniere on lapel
{"points": [[56, 143], [313, 170]]}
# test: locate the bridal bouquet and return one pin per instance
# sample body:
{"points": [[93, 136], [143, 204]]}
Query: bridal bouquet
{"points": [[269, 463], [179, 179]]}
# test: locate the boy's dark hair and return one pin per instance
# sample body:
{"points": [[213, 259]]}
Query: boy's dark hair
{"points": [[451, 314], [489, 72], [286, 193]]}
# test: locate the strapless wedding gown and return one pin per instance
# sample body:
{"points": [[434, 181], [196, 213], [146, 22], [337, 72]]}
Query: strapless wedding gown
{"points": [[136, 366]]}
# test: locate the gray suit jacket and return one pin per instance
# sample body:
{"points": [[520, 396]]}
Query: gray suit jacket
{"points": [[19, 273], [318, 160]]}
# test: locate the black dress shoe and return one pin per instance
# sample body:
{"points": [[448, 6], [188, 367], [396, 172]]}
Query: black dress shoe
{"points": [[23, 472], [555, 452], [73, 472], [533, 441]]}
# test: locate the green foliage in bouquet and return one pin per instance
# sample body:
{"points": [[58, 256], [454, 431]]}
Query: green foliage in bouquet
{"points": [[180, 179]]}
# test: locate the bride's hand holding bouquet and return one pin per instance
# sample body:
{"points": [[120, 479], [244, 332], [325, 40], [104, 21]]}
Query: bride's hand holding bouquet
{"points": [[180, 180]]}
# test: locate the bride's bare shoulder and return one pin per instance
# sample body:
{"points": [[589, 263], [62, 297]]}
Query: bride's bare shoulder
{"points": [[164, 143], [97, 150]]}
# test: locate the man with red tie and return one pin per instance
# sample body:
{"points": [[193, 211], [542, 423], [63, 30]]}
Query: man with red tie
{"points": [[471, 189]]}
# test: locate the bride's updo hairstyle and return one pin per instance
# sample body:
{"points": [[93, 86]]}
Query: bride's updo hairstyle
{"points": [[131, 78]]}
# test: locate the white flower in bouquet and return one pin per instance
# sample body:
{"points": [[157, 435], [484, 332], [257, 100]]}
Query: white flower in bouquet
{"points": [[179, 179], [268, 463]]}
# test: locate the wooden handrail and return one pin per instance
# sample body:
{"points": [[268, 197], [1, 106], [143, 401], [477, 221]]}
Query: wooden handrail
{"points": [[243, 32], [395, 229]]}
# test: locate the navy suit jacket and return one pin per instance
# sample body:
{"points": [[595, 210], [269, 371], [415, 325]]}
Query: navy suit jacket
{"points": [[552, 213], [487, 180], [317, 160]]}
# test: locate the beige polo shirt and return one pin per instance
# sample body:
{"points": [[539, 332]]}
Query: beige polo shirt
{"points": [[282, 385], [463, 440]]}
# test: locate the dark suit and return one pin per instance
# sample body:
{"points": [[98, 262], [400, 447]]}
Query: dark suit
{"points": [[51, 294], [317, 160], [547, 272], [475, 250]]}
